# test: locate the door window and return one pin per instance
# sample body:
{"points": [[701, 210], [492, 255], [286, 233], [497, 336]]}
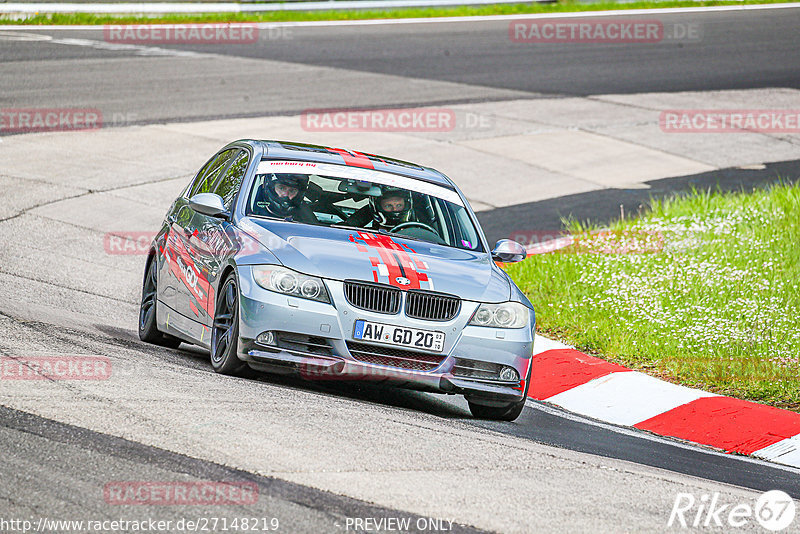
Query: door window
{"points": [[228, 185], [206, 180]]}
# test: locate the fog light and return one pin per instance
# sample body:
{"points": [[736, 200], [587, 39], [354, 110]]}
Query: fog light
{"points": [[509, 374], [266, 338]]}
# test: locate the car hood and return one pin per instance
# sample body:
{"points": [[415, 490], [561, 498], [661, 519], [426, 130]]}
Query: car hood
{"points": [[339, 253]]}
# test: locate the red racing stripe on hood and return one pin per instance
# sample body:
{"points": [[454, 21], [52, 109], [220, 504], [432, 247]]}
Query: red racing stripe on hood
{"points": [[396, 259]]}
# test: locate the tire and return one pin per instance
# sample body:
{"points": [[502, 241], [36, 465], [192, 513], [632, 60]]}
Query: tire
{"points": [[508, 412], [496, 413], [148, 331], [225, 332]]}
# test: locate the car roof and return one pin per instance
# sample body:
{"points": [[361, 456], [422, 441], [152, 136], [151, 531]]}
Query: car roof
{"points": [[321, 154]]}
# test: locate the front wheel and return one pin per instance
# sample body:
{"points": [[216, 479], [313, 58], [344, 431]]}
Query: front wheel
{"points": [[148, 331], [508, 412], [497, 413], [225, 333]]}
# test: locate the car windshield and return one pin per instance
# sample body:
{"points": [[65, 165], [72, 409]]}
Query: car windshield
{"points": [[362, 199]]}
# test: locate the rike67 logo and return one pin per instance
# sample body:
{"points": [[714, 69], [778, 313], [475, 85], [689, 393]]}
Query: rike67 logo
{"points": [[773, 510]]}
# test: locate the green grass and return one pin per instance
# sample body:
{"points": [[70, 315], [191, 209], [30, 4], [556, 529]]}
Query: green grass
{"points": [[460, 11], [701, 290]]}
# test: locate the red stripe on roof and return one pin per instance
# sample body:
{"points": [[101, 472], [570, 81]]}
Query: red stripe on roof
{"points": [[556, 371], [730, 424], [355, 159]]}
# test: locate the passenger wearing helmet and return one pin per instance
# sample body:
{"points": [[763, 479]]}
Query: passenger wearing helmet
{"points": [[282, 194], [393, 207]]}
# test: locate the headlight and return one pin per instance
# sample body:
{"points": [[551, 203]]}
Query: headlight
{"points": [[290, 282], [504, 315]]}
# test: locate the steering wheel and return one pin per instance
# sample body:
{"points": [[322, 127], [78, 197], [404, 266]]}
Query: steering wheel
{"points": [[409, 224]]}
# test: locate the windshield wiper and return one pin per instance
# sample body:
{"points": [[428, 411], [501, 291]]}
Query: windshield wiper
{"points": [[268, 217], [404, 236], [337, 225]]}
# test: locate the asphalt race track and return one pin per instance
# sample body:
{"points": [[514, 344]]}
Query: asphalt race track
{"points": [[737, 51], [323, 455]]}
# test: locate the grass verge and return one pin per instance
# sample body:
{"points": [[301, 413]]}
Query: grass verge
{"points": [[701, 290], [564, 6]]}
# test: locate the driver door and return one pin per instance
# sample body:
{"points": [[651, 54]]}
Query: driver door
{"points": [[192, 286]]}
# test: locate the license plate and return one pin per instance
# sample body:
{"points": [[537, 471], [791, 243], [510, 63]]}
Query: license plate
{"points": [[399, 335]]}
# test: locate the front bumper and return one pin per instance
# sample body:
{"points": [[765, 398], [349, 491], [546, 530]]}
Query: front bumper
{"points": [[317, 340]]}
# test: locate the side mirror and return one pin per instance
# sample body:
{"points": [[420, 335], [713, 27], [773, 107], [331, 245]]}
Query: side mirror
{"points": [[208, 204], [508, 251]]}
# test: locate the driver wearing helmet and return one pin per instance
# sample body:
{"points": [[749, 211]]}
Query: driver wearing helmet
{"points": [[393, 207], [282, 196]]}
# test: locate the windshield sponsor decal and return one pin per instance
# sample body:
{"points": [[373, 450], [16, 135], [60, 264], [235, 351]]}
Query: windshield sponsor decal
{"points": [[394, 264], [360, 174], [287, 164]]}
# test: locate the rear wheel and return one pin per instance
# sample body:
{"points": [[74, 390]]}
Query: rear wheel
{"points": [[225, 333], [506, 412], [148, 331]]}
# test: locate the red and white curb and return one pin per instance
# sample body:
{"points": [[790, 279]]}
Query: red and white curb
{"points": [[609, 392]]}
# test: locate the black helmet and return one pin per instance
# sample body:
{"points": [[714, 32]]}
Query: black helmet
{"points": [[391, 218], [285, 206]]}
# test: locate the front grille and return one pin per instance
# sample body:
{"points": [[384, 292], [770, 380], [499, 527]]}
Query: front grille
{"points": [[431, 306], [372, 297], [303, 343], [404, 359]]}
